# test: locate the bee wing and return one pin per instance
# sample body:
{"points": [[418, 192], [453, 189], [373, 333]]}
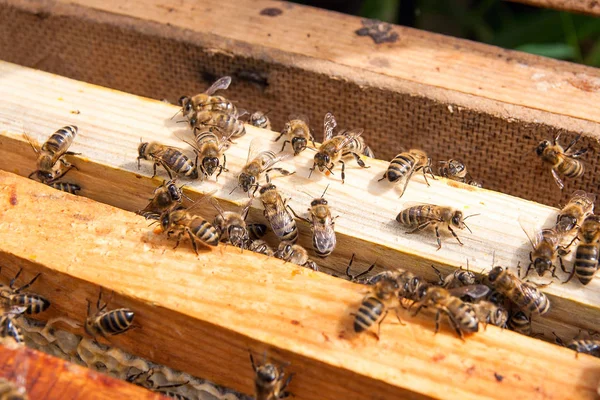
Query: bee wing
{"points": [[246, 208], [201, 200], [533, 233], [348, 135], [278, 157], [472, 291], [35, 145], [257, 146], [220, 84], [216, 205], [329, 125], [323, 233]]}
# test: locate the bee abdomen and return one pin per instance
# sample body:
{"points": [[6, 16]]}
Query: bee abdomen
{"points": [[586, 262], [571, 168], [541, 305], [65, 187], [257, 230], [116, 321], [205, 232], [411, 217], [399, 167], [585, 346], [35, 303], [369, 312], [324, 248], [61, 139], [180, 163], [8, 328]]}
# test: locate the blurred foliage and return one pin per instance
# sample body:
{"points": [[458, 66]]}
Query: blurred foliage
{"points": [[545, 32]]}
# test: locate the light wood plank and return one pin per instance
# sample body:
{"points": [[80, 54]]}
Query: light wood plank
{"points": [[112, 122], [222, 303], [590, 7]]}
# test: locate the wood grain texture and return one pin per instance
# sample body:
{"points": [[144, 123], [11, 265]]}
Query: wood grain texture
{"points": [[326, 41], [50, 378], [590, 7], [111, 124], [202, 314]]}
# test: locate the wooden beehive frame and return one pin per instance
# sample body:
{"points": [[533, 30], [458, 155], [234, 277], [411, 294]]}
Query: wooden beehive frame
{"points": [[223, 302]]}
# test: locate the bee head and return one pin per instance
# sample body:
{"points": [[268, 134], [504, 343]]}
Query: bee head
{"points": [[45, 175], [318, 202], [457, 219], [266, 188], [387, 287], [495, 274], [142, 149], [173, 191], [322, 160], [541, 147], [466, 278], [284, 251], [210, 164], [267, 374], [422, 291], [455, 167], [193, 121], [186, 104], [299, 145], [237, 234], [542, 265], [246, 181]]}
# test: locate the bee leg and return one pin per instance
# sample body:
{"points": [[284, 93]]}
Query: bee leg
{"points": [[11, 284], [33, 173], [453, 234], [296, 215], [557, 179], [284, 143], [420, 227], [312, 169], [578, 153], [359, 161], [571, 275], [343, 171], [397, 311], [24, 286], [279, 137], [437, 321], [455, 326], [379, 324], [252, 361], [571, 144], [383, 177], [194, 244], [283, 394]]}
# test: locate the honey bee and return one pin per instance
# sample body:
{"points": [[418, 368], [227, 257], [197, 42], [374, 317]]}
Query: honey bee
{"points": [[295, 254], [259, 119], [572, 215], [322, 226], [51, 152], [256, 231], [335, 148], [206, 100], [269, 382], [490, 313], [375, 306], [562, 161], [258, 163], [462, 316], [8, 324], [297, 133], [144, 380], [170, 158], [520, 323], [11, 296], [586, 256], [524, 295], [422, 216], [405, 164], [457, 171], [585, 346], [210, 147], [10, 391], [181, 221], [230, 225], [113, 322], [71, 188], [167, 196], [260, 246], [278, 214], [460, 277], [545, 251], [228, 124]]}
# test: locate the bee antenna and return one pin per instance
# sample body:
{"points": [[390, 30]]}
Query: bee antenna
{"points": [[469, 216], [325, 191], [181, 122], [330, 171], [178, 111], [469, 229], [233, 190]]}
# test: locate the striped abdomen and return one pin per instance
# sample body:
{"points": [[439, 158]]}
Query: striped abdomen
{"points": [[9, 328], [61, 140], [65, 187], [415, 216], [464, 315], [204, 231], [282, 223], [357, 145], [586, 346], [206, 139], [370, 311], [172, 395], [324, 240], [35, 303], [530, 299], [586, 262], [213, 103], [519, 323], [115, 322], [179, 163], [569, 167], [402, 165]]}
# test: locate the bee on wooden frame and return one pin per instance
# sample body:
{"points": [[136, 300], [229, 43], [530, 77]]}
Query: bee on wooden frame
{"points": [[12, 296], [460, 277], [270, 382], [277, 213], [103, 323], [180, 221], [297, 133], [572, 215], [66, 187], [376, 305], [404, 165], [588, 250], [8, 324], [210, 145], [335, 148], [206, 100], [419, 217], [170, 158], [167, 196], [231, 225], [259, 163], [295, 254], [228, 124], [562, 161], [260, 119], [528, 298], [546, 249], [144, 379], [261, 247], [456, 170], [53, 152]]}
